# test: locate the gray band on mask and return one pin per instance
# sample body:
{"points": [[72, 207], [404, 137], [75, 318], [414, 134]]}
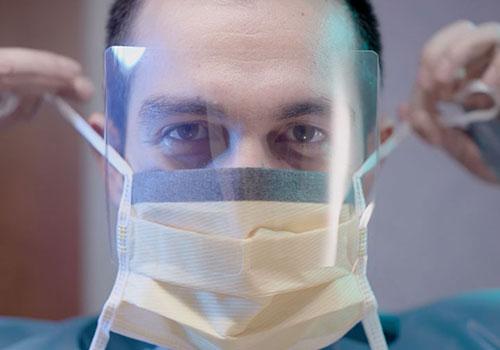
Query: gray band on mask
{"points": [[239, 184]]}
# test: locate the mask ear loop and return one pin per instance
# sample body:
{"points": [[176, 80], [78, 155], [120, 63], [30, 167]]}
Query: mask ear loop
{"points": [[371, 322], [107, 317], [89, 134], [101, 337]]}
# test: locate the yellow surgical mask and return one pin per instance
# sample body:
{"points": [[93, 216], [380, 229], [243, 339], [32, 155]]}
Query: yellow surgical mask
{"points": [[238, 274]]}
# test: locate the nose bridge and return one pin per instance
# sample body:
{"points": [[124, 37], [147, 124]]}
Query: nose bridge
{"points": [[248, 151]]}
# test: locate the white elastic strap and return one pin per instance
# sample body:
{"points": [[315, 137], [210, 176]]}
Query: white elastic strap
{"points": [[368, 165], [107, 317], [373, 330], [371, 323], [361, 267], [89, 134], [366, 216], [371, 162]]}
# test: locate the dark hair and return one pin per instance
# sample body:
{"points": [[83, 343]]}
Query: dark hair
{"points": [[119, 24]]}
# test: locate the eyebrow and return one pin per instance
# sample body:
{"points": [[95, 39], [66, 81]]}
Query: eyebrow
{"points": [[158, 107], [315, 106], [161, 106]]}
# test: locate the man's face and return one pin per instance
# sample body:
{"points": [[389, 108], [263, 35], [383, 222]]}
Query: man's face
{"points": [[234, 83]]}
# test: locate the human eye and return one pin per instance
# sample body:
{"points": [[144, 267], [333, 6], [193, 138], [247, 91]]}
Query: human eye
{"points": [[193, 144], [302, 145], [195, 131], [303, 134]]}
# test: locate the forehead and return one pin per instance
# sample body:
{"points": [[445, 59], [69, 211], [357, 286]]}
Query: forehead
{"points": [[239, 50], [250, 30]]}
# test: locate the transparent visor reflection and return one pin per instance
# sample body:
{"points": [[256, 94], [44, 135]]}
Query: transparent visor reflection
{"points": [[176, 117], [166, 121], [158, 129]]}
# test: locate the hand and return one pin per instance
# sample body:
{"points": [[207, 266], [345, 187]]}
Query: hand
{"points": [[456, 55], [28, 74]]}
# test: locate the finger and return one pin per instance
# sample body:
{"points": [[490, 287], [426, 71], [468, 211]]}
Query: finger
{"points": [[463, 149], [82, 89], [422, 117], [403, 112], [425, 127], [476, 68], [492, 75], [432, 52], [17, 61], [28, 106], [473, 71], [79, 88], [470, 48], [34, 84]]}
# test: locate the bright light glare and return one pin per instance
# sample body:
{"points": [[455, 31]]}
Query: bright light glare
{"points": [[128, 56]]}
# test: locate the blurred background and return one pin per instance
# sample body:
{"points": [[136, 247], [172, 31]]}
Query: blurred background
{"points": [[435, 233]]}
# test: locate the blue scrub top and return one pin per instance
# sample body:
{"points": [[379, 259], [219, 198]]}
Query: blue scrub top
{"points": [[468, 322]]}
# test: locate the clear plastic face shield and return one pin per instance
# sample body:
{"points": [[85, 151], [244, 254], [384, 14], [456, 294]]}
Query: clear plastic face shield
{"points": [[237, 172], [223, 150]]}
